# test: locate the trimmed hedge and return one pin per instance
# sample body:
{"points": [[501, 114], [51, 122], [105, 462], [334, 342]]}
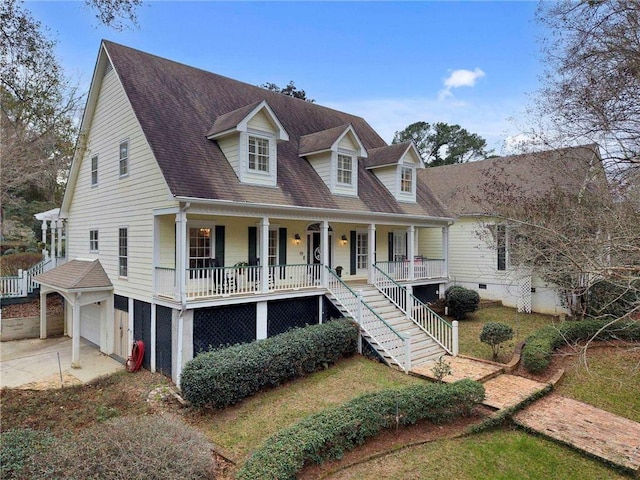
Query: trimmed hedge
{"points": [[328, 434], [224, 377], [539, 347]]}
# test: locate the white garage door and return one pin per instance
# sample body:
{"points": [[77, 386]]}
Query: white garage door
{"points": [[90, 323]]}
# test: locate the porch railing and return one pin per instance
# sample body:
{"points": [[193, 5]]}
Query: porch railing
{"points": [[243, 280], [443, 332], [396, 346], [423, 268], [23, 284]]}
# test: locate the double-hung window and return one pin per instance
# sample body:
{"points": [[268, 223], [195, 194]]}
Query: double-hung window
{"points": [[124, 158], [258, 154], [93, 240], [200, 247], [345, 169], [406, 180], [123, 251], [273, 247], [94, 170]]}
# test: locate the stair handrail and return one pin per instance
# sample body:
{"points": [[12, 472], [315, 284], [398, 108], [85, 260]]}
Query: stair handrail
{"points": [[439, 329], [356, 300]]}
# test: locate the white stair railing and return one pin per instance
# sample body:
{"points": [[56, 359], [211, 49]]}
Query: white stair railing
{"points": [[394, 345], [443, 332]]}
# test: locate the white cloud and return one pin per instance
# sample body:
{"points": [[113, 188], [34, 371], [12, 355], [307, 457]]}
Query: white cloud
{"points": [[463, 78], [459, 78]]}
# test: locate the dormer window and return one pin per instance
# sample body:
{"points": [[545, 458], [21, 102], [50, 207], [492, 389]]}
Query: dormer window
{"points": [[258, 154], [248, 138], [345, 169], [406, 180], [334, 154]]}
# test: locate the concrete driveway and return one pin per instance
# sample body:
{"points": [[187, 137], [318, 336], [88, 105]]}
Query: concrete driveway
{"points": [[33, 363]]}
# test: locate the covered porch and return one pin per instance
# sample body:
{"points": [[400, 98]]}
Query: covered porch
{"points": [[206, 256]]}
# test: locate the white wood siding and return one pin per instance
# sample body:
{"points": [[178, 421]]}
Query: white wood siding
{"points": [[339, 188], [117, 202], [321, 163], [388, 176], [167, 237], [347, 144], [261, 122], [430, 242], [231, 149]]}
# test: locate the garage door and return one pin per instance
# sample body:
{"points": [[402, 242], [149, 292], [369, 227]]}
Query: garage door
{"points": [[90, 323]]}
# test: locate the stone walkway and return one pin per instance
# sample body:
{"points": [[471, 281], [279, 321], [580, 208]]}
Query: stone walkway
{"points": [[599, 433], [596, 432]]}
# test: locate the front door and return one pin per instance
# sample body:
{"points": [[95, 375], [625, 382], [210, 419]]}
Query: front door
{"points": [[314, 252], [121, 336]]}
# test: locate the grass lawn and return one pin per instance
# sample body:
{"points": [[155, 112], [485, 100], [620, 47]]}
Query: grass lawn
{"points": [[610, 380], [523, 324], [501, 454], [240, 428]]}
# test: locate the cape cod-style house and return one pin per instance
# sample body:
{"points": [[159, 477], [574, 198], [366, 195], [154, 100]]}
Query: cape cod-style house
{"points": [[202, 211]]}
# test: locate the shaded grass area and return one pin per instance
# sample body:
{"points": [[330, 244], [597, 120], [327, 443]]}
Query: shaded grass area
{"points": [[241, 428], [499, 454], [609, 380], [523, 324]]}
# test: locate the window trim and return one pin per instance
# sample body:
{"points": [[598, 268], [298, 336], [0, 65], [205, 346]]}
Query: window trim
{"points": [[125, 159], [94, 170], [411, 181], [264, 138], [359, 253], [94, 242], [502, 247], [123, 260], [212, 243], [342, 156]]}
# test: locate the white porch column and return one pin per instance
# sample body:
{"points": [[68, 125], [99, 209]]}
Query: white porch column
{"points": [[75, 328], [409, 300], [372, 252], [43, 313], [445, 251], [264, 254], [324, 252], [411, 251], [181, 255], [152, 355], [44, 237], [53, 238], [59, 228]]}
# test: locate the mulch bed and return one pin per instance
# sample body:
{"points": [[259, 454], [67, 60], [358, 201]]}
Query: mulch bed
{"points": [[55, 306]]}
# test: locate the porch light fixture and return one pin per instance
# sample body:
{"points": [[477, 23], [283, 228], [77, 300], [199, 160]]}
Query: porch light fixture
{"points": [[296, 237], [344, 239]]}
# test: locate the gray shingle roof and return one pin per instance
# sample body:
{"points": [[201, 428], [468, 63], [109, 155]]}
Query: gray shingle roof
{"points": [[320, 141], [76, 275], [232, 119], [176, 106], [387, 155], [463, 188]]}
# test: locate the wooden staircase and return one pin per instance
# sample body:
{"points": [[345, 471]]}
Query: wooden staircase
{"points": [[424, 348]]}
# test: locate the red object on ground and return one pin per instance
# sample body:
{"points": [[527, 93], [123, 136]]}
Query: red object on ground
{"points": [[134, 362]]}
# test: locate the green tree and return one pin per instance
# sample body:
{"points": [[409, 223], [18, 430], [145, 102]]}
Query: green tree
{"points": [[443, 144], [291, 90]]}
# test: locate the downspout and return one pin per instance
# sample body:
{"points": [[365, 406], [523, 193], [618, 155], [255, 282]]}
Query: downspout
{"points": [[183, 294]]}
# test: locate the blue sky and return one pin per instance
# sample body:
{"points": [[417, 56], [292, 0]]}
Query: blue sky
{"points": [[473, 63]]}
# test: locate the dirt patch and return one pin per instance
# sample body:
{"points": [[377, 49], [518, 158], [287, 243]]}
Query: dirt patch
{"points": [[55, 306]]}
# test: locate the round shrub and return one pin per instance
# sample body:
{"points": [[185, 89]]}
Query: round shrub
{"points": [[461, 301], [141, 447], [493, 334], [227, 376], [611, 301]]}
